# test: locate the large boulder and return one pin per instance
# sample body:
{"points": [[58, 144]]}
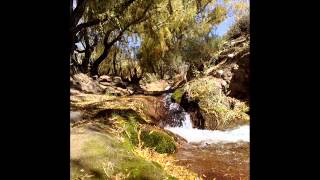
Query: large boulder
{"points": [[83, 82], [234, 67], [192, 107], [240, 82], [98, 154], [208, 105], [75, 116]]}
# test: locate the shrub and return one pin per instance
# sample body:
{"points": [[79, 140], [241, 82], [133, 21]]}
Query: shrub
{"points": [[241, 27]]}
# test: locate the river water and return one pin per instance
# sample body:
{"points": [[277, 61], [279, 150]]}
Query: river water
{"points": [[211, 154]]}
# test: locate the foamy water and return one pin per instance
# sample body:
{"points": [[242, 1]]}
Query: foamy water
{"points": [[187, 124], [193, 135], [198, 135]]}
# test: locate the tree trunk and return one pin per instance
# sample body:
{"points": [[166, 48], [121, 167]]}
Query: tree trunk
{"points": [[77, 13], [96, 63], [135, 78], [88, 51], [108, 45], [114, 63]]}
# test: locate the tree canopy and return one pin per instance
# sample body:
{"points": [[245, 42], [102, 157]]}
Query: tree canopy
{"points": [[167, 34]]}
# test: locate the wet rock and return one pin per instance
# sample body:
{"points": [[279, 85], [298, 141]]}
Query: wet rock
{"points": [[83, 82], [75, 116], [192, 107], [74, 92], [117, 79], [95, 77], [105, 78]]}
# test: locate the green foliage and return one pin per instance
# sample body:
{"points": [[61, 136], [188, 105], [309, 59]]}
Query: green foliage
{"points": [[178, 35], [239, 8], [241, 27], [172, 32], [199, 51], [215, 43]]}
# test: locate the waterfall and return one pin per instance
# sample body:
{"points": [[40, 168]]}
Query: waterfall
{"points": [[180, 123], [186, 124]]}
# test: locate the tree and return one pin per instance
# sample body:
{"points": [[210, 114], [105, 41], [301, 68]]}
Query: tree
{"points": [[108, 20], [168, 36], [164, 26]]}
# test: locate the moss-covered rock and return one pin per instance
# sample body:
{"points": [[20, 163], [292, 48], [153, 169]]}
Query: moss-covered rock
{"points": [[106, 144], [160, 141], [218, 110], [149, 108], [177, 95], [145, 135], [130, 127], [99, 155]]}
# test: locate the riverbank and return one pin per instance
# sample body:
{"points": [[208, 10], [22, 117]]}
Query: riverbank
{"points": [[162, 129]]}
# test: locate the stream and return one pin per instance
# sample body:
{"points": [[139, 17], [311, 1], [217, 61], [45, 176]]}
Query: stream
{"points": [[213, 154]]}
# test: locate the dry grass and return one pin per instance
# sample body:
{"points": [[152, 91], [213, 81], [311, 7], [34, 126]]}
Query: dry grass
{"points": [[149, 78], [219, 111], [168, 163]]}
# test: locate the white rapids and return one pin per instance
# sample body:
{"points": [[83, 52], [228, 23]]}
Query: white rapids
{"points": [[193, 135], [241, 134]]}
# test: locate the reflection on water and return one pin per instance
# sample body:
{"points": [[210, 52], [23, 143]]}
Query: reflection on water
{"points": [[220, 161]]}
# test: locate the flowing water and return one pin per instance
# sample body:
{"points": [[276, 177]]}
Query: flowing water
{"points": [[211, 154]]}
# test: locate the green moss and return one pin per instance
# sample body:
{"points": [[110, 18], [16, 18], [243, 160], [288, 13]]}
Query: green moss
{"points": [[142, 169], [102, 156], [177, 95], [130, 131], [172, 178], [161, 142], [130, 125]]}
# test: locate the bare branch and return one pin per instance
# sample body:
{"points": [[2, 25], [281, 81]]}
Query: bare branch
{"points": [[80, 51], [88, 24], [78, 12]]}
